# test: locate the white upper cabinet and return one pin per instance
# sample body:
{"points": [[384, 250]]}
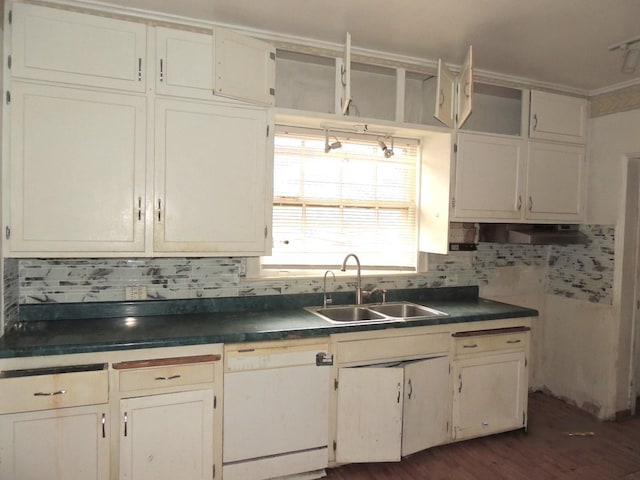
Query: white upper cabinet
{"points": [[244, 68], [184, 63], [213, 178], [344, 75], [558, 117], [56, 45], [455, 93], [555, 181], [77, 170], [488, 177]]}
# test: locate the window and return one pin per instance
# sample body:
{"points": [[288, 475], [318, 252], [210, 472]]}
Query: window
{"points": [[351, 199]]}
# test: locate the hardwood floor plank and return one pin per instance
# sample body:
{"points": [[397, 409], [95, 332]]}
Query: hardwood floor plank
{"points": [[553, 448]]}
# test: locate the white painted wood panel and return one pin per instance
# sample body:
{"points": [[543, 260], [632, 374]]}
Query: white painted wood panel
{"points": [[558, 117], [212, 178], [427, 404], [184, 63], [244, 68], [60, 444], [63, 46], [167, 436], [369, 415], [488, 177], [77, 171], [555, 181], [489, 394]]}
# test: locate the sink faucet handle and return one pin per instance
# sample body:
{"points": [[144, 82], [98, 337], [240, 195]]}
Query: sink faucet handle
{"points": [[383, 291]]}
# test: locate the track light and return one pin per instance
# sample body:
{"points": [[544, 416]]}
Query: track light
{"points": [[630, 54], [330, 146], [387, 151]]}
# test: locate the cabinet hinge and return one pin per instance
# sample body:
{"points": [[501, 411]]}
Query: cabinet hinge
{"points": [[272, 92], [8, 97], [449, 368], [447, 425], [335, 384], [266, 231], [215, 401], [9, 62], [335, 445], [267, 131], [10, 16], [453, 202], [272, 55], [7, 232], [524, 418], [455, 148], [526, 362], [214, 471]]}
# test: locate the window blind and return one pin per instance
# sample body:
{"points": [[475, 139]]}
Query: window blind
{"points": [[351, 199]]}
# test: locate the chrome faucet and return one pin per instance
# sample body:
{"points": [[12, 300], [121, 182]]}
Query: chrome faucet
{"points": [[358, 278], [326, 299]]}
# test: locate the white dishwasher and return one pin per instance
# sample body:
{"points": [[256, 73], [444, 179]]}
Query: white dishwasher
{"points": [[276, 402]]}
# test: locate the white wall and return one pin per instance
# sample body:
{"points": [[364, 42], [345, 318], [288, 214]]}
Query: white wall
{"points": [[610, 138]]}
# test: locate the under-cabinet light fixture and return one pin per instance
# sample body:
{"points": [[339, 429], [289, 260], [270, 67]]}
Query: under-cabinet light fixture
{"points": [[330, 146], [630, 53], [387, 151]]}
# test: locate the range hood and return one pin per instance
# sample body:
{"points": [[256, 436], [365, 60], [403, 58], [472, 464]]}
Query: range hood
{"points": [[531, 234]]}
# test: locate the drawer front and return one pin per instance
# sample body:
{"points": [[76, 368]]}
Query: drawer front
{"points": [[43, 392], [391, 348], [165, 376], [488, 343]]}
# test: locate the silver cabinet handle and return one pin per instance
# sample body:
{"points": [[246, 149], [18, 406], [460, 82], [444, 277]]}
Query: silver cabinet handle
{"points": [[139, 208], [535, 122], [514, 341], [172, 377], [161, 70], [104, 431], [473, 345], [49, 394], [519, 202], [466, 89], [530, 203], [159, 211], [410, 390], [139, 69], [125, 423], [441, 101]]}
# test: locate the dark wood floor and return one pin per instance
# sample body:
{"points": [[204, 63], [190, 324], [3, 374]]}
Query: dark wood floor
{"points": [[546, 451]]}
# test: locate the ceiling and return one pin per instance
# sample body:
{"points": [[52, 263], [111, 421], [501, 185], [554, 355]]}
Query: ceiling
{"points": [[562, 43]]}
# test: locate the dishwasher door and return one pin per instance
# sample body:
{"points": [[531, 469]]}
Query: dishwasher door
{"points": [[276, 412]]}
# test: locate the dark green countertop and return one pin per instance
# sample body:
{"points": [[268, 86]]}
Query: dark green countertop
{"points": [[132, 328]]}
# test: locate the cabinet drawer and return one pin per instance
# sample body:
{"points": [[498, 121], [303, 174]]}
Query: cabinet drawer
{"points": [[183, 371], [393, 347], [490, 340], [47, 391]]}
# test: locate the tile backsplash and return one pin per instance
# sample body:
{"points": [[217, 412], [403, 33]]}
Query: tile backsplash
{"points": [[581, 272]]}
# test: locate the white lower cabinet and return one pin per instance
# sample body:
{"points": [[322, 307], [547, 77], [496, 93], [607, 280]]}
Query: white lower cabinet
{"points": [[387, 412], [167, 436], [59, 444], [490, 383]]}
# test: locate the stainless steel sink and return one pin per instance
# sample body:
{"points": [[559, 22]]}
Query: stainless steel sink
{"points": [[376, 313], [348, 314], [406, 310]]}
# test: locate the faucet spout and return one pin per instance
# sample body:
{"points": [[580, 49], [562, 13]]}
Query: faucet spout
{"points": [[358, 277]]}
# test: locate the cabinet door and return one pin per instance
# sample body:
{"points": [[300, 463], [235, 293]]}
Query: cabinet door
{"points": [[427, 400], [70, 47], [555, 182], [212, 179], [244, 68], [558, 117], [184, 63], [77, 170], [465, 90], [167, 436], [62, 444], [490, 394], [344, 75], [446, 88], [488, 177], [369, 427]]}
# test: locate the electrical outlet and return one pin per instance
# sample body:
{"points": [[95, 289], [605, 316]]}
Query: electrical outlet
{"points": [[135, 292]]}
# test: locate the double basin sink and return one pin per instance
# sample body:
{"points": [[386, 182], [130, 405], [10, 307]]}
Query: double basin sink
{"points": [[375, 313]]}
